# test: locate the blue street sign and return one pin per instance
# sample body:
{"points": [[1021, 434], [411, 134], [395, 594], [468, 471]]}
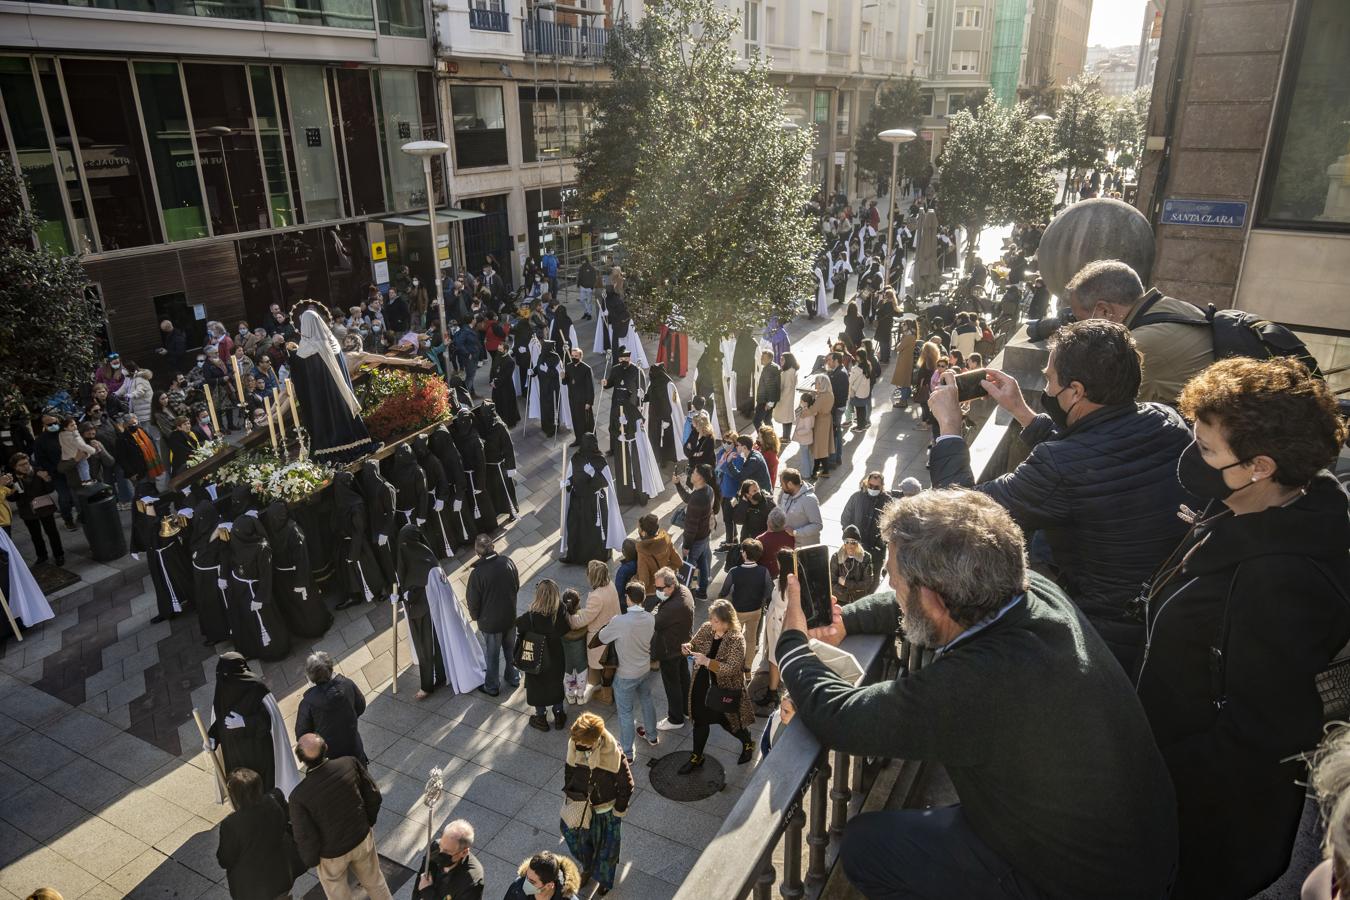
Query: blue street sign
{"points": [[1204, 213]]}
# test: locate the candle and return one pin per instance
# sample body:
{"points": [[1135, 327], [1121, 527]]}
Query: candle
{"points": [[295, 409], [281, 420], [211, 408], [238, 380], [271, 426]]}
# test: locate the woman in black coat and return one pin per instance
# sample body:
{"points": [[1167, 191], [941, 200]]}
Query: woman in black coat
{"points": [[256, 849], [853, 327], [545, 622], [1243, 616], [293, 578]]}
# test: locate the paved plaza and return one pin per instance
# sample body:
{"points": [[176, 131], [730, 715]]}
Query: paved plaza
{"points": [[105, 791]]}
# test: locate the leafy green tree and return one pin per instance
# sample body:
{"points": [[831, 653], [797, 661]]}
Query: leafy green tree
{"points": [[48, 326], [691, 159], [900, 104], [994, 169], [1127, 118], [1081, 127]]}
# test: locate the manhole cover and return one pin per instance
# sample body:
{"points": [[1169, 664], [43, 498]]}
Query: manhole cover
{"points": [[699, 784]]}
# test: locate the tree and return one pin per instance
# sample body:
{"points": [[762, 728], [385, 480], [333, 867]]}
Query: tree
{"points": [[49, 327], [1127, 118], [900, 104], [1080, 127], [994, 169], [691, 159]]}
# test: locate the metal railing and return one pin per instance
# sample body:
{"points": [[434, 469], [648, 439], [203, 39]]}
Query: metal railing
{"points": [[573, 41], [489, 20], [798, 775]]}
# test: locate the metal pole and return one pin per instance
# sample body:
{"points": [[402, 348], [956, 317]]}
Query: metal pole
{"points": [[440, 294], [890, 219]]}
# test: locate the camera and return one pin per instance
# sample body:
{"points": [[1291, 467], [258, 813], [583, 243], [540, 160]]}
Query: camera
{"points": [[1041, 329]]}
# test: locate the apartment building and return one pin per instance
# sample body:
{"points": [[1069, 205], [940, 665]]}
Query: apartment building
{"points": [[206, 158], [960, 38], [1150, 33]]}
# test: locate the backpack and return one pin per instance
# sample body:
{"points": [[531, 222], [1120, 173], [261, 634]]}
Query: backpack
{"points": [[1237, 333]]}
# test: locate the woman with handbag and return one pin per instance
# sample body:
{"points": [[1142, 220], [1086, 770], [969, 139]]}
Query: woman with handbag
{"points": [[597, 785], [256, 848], [718, 695], [602, 604], [539, 654]]}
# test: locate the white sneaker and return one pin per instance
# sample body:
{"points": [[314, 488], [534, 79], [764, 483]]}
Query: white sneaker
{"points": [[667, 725]]}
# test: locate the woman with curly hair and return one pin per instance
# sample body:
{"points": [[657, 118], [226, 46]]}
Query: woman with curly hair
{"points": [[1244, 614], [545, 876]]}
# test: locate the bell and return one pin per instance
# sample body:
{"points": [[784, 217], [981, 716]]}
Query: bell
{"points": [[169, 526]]}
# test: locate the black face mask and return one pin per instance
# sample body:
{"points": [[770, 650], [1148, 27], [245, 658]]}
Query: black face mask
{"points": [[1202, 479], [1058, 414]]}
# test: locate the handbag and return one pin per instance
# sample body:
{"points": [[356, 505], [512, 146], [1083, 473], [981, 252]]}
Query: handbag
{"points": [[609, 658], [722, 700], [531, 656], [577, 813]]}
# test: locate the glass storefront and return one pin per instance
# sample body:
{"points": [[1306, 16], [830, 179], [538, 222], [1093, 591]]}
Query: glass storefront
{"points": [[401, 19], [314, 142], [271, 143], [480, 126], [32, 152], [361, 141], [399, 124], [171, 152], [228, 145]]}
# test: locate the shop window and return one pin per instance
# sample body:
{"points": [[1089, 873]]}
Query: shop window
{"points": [[170, 139], [1308, 173], [227, 143], [400, 122], [312, 139], [360, 138], [273, 150], [34, 152], [480, 126], [111, 151], [402, 18]]}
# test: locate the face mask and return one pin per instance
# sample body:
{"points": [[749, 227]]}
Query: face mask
{"points": [[205, 420], [663, 595], [201, 362], [1202, 479], [1057, 413], [53, 427], [529, 888], [416, 282], [874, 492], [116, 364]]}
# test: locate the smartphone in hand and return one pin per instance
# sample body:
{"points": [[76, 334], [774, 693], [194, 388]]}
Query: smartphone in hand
{"points": [[812, 565]]}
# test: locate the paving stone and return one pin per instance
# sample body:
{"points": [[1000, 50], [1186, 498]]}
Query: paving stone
{"points": [[193, 844], [153, 875], [519, 840], [45, 866], [14, 844], [80, 731], [99, 847], [10, 729], [520, 763], [36, 755], [131, 757], [187, 786], [146, 815], [126, 691], [86, 783], [141, 660], [30, 706], [40, 812]]}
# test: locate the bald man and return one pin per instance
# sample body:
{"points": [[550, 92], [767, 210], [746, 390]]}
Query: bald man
{"points": [[333, 812]]}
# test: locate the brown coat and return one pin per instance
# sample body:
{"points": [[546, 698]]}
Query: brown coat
{"points": [[822, 440], [904, 361], [728, 668], [653, 553], [602, 604]]}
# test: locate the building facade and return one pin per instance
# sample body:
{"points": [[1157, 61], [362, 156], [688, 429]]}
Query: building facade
{"points": [[1150, 33], [206, 159], [1247, 173]]}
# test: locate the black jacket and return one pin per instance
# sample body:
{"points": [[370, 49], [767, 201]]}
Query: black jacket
{"points": [[330, 710], [1283, 579], [839, 386], [255, 850], [333, 809], [493, 586], [461, 882], [1105, 492], [752, 518], [1046, 744], [769, 385], [864, 511], [749, 586], [674, 622]]}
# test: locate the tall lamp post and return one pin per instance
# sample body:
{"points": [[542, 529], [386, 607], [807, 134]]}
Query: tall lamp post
{"points": [[429, 150], [895, 137]]}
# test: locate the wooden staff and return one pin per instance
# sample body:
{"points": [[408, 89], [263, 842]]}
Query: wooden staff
{"points": [[281, 421], [211, 408], [218, 765], [14, 625], [271, 425]]}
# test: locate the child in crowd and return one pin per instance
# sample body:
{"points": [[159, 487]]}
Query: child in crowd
{"points": [[73, 447], [574, 652]]}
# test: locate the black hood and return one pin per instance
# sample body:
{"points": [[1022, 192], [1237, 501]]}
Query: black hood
{"points": [[464, 425], [421, 447], [247, 540], [443, 445], [205, 521], [238, 688], [406, 475], [345, 493], [415, 558], [275, 518], [485, 414]]}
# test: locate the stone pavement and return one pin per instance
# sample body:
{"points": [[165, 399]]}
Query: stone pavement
{"points": [[104, 790]]}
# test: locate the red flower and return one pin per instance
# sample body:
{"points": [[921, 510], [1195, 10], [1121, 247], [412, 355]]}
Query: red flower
{"points": [[424, 401]]}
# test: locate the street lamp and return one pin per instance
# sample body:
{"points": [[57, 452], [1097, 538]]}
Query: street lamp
{"points": [[1042, 119], [895, 137], [429, 150]]}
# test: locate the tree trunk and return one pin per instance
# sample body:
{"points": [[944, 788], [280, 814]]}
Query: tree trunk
{"points": [[973, 241]]}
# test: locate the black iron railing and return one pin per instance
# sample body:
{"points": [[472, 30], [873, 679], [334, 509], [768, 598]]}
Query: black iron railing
{"points": [[489, 20], [573, 41]]}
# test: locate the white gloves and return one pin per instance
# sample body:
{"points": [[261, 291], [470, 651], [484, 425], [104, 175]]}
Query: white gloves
{"points": [[222, 583], [438, 505], [459, 504], [234, 720], [136, 556], [255, 606], [383, 539], [510, 473]]}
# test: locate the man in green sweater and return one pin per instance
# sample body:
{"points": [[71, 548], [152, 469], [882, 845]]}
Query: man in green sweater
{"points": [[1063, 791]]}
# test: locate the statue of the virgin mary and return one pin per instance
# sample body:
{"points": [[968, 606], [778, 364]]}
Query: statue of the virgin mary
{"points": [[329, 410]]}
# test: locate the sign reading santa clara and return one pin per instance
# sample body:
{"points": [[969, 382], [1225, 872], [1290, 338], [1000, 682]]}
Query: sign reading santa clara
{"points": [[1204, 213]]}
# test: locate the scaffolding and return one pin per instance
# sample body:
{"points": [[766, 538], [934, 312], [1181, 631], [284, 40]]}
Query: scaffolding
{"points": [[1010, 27]]}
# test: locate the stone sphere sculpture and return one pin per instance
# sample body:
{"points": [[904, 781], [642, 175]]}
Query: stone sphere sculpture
{"points": [[1101, 228]]}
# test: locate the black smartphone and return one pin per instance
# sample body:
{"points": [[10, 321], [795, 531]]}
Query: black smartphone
{"points": [[970, 385], [812, 566]]}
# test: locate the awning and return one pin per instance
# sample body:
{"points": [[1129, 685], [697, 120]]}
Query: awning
{"points": [[446, 214]]}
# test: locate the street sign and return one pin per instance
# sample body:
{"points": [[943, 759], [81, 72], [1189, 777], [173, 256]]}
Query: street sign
{"points": [[377, 250], [1204, 213]]}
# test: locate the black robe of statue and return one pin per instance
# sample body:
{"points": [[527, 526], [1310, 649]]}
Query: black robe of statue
{"points": [[478, 503], [437, 528], [336, 435], [241, 691], [380, 526], [587, 505], [503, 389], [625, 383], [458, 518], [499, 453], [548, 381], [166, 557], [660, 431], [210, 564], [743, 364], [411, 503], [259, 628], [520, 355], [359, 569], [293, 579], [415, 562], [580, 383]]}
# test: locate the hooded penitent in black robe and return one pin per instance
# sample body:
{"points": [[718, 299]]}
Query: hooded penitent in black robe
{"points": [[478, 503], [521, 333], [166, 557], [415, 561], [458, 519], [293, 580], [743, 364], [708, 373], [665, 442], [411, 503], [618, 322], [256, 621], [239, 690], [380, 527], [500, 455], [210, 564], [560, 331], [580, 383], [546, 391], [503, 388], [588, 517], [437, 529], [358, 566]]}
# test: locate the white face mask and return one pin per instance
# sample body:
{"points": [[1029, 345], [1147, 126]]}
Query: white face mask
{"points": [[663, 595], [116, 364], [874, 492]]}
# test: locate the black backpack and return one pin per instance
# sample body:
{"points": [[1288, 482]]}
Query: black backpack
{"points": [[1236, 333]]}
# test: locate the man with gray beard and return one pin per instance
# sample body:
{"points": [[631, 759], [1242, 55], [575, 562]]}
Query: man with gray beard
{"points": [[1063, 793]]}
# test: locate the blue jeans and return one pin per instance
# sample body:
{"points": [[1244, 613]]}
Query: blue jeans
{"points": [[625, 690], [587, 297], [701, 559], [499, 646], [806, 464], [837, 422]]}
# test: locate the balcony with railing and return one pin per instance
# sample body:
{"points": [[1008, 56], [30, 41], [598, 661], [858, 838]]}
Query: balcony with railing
{"points": [[489, 20], [583, 42], [477, 29]]}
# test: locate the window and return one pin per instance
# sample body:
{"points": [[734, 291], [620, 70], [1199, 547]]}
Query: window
{"points": [[312, 141], [965, 61], [818, 31], [929, 26], [865, 47], [175, 165], [489, 15], [34, 152], [480, 126], [222, 117], [360, 138], [549, 122], [770, 25], [821, 114], [400, 122], [270, 140], [402, 18], [830, 33], [926, 103], [842, 109], [968, 17], [955, 103], [750, 25], [330, 13], [1307, 183]]}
